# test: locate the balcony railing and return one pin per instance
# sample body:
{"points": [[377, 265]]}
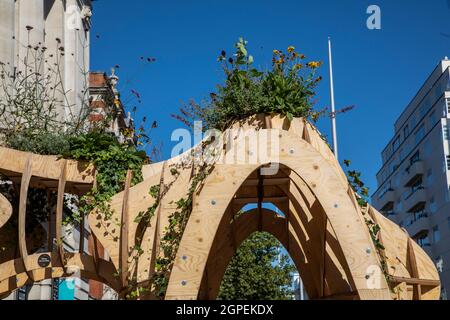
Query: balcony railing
{"points": [[386, 200], [418, 226], [416, 217], [381, 196], [412, 172]]}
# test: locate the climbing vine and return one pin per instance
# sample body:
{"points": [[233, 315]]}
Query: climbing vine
{"points": [[362, 193], [174, 231]]}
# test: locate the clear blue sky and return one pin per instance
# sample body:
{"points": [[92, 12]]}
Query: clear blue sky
{"points": [[379, 71]]}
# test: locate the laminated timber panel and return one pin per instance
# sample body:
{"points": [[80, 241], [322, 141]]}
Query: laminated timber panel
{"points": [[5, 210], [325, 229], [12, 163], [320, 176]]}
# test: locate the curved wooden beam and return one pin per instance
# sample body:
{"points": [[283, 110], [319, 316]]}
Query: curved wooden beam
{"points": [[241, 229], [5, 210], [26, 177], [223, 183], [13, 274], [59, 211], [12, 163], [124, 249]]}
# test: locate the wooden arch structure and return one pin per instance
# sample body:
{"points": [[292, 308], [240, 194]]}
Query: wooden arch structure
{"points": [[264, 159]]}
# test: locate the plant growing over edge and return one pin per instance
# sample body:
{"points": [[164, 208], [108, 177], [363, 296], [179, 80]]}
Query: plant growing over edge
{"points": [[287, 89]]}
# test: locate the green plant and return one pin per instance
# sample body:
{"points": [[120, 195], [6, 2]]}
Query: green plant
{"points": [[111, 160], [286, 89], [258, 271], [354, 178]]}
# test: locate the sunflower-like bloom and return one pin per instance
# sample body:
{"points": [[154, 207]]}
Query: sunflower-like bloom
{"points": [[314, 64], [291, 49]]}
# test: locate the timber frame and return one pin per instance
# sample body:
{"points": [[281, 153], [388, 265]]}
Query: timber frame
{"points": [[321, 226]]}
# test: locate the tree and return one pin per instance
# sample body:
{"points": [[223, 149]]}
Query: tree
{"points": [[255, 273]]}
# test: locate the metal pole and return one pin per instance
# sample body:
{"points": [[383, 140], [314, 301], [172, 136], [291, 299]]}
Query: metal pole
{"points": [[333, 111]]}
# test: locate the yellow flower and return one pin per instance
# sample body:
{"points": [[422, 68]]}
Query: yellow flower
{"points": [[298, 66], [290, 49], [276, 52], [314, 64]]}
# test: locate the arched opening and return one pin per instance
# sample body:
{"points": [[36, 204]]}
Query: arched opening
{"points": [[284, 206]]}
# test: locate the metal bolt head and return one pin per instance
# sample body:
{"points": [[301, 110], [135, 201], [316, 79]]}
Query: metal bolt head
{"points": [[291, 151], [184, 257], [184, 282], [368, 250], [336, 205], [213, 202], [367, 276]]}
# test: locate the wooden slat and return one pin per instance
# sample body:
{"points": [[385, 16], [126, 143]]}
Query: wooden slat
{"points": [[25, 181], [59, 211], [267, 182], [255, 200], [124, 230], [81, 244], [323, 258], [157, 234], [417, 290], [415, 281]]}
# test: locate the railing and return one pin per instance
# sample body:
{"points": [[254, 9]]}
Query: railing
{"points": [[417, 217], [411, 164], [414, 190], [389, 213], [384, 193]]}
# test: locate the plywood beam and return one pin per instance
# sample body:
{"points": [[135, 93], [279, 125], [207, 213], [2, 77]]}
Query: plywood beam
{"points": [[26, 177], [124, 231]]}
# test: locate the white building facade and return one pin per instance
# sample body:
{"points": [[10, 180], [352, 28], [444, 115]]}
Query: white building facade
{"points": [[50, 24], [414, 180]]}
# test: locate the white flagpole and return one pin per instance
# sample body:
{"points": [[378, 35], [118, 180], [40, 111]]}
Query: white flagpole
{"points": [[333, 111]]}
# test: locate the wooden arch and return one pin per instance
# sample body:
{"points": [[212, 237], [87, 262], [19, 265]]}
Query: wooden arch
{"points": [[324, 229]]}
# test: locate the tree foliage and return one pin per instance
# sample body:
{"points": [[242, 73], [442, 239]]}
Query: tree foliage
{"points": [[256, 273]]}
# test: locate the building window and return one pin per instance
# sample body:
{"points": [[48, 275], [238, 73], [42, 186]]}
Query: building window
{"points": [[396, 144], [445, 130], [430, 177], [405, 132], [423, 240], [432, 118], [447, 102], [436, 234], [399, 204], [417, 185], [448, 162], [413, 121], [427, 148], [414, 158], [420, 133], [433, 205], [401, 154]]}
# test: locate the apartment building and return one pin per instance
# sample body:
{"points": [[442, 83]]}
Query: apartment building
{"points": [[414, 180]]}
